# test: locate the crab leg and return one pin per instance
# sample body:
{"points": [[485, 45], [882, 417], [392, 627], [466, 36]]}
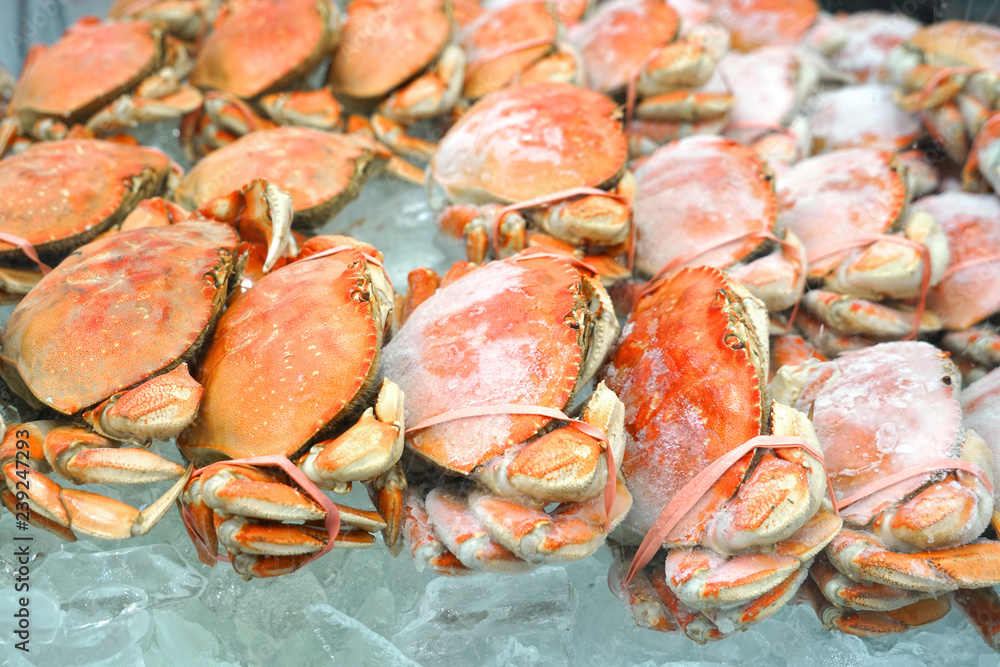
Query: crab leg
{"points": [[431, 94], [982, 607], [864, 623], [845, 592], [421, 539], [83, 457]]}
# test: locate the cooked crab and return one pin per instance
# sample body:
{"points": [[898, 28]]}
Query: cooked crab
{"points": [[511, 344]]}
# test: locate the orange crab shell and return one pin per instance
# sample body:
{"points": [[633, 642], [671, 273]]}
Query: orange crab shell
{"points": [[620, 36], [675, 215], [527, 141], [838, 197], [952, 43], [320, 170], [499, 335], [970, 294], [259, 45], [757, 23], [60, 194], [116, 312], [685, 405], [91, 65], [285, 359], [385, 43]]}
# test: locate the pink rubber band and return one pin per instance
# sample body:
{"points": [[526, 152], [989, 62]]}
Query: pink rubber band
{"points": [[332, 513], [700, 484], [548, 199], [341, 248], [960, 266], [27, 249], [610, 488], [916, 471], [925, 276]]}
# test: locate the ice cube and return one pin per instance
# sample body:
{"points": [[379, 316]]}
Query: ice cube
{"points": [[339, 638]]}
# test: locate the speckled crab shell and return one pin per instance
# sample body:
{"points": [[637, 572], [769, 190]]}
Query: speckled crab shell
{"points": [[385, 43], [685, 405], [971, 294], [59, 195], [320, 170], [261, 45], [616, 40], [675, 214], [287, 358], [91, 65], [116, 312], [508, 332], [527, 141], [840, 196]]}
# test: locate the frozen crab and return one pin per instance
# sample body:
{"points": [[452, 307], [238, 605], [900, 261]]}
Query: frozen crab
{"points": [[59, 195], [292, 370], [526, 332], [107, 76], [724, 217], [741, 545], [913, 484], [555, 149], [396, 59], [253, 63], [754, 24], [322, 171], [106, 338], [849, 207]]}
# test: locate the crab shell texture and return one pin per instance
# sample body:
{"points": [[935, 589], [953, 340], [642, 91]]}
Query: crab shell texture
{"points": [[868, 38], [757, 23], [322, 171], [287, 359], [862, 116], [952, 43], [619, 37], [116, 312], [981, 405], [90, 66], [882, 410], [59, 195], [763, 83], [972, 223], [675, 214], [261, 45], [528, 141], [492, 31], [386, 43], [840, 196], [515, 331]]}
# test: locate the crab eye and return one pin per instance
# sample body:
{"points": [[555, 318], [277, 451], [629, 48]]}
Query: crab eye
{"points": [[947, 380]]}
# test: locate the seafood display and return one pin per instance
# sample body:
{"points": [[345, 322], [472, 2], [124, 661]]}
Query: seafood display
{"points": [[726, 333]]}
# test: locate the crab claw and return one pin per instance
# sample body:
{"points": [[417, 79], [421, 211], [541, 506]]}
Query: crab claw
{"points": [[262, 213], [421, 539], [866, 623]]}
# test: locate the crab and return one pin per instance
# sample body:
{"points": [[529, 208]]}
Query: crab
{"points": [[948, 72], [754, 24], [633, 46], [185, 19], [522, 42], [397, 57], [966, 296], [107, 76], [570, 12], [858, 44], [252, 64], [863, 116], [844, 205], [743, 540], [915, 534], [723, 218], [522, 336], [322, 171], [288, 371], [551, 147], [59, 195], [162, 287]]}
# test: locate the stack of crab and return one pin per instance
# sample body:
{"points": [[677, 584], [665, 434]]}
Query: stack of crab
{"points": [[811, 224]]}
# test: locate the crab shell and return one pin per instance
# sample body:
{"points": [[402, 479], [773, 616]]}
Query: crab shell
{"points": [[616, 41], [758, 23], [59, 195], [675, 214], [861, 117], [287, 359], [971, 221], [765, 83], [951, 43], [981, 405], [386, 43], [516, 331], [527, 141], [320, 170], [116, 312], [262, 45], [867, 39], [90, 66]]}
